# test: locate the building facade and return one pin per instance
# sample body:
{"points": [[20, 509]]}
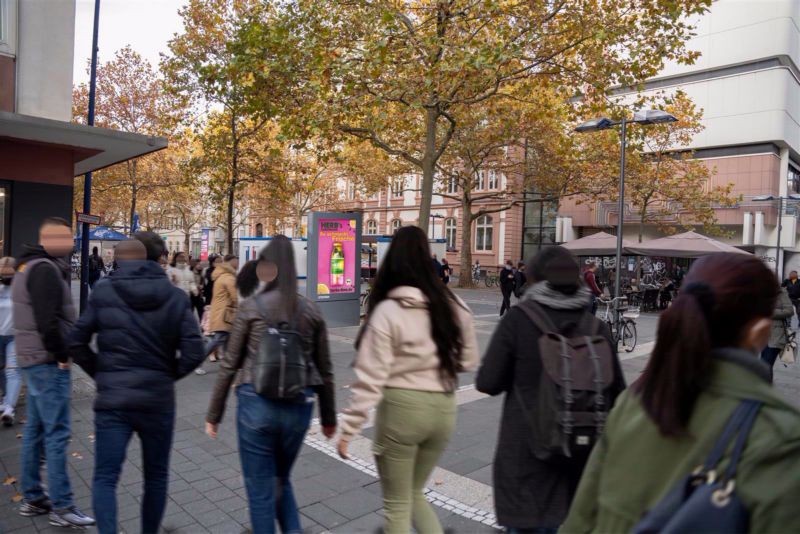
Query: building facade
{"points": [[747, 82], [40, 150]]}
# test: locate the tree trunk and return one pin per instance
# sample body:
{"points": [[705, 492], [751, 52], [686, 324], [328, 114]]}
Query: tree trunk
{"points": [[465, 275], [187, 237], [642, 217], [428, 167], [234, 183]]}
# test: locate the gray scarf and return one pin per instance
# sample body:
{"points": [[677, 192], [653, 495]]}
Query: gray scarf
{"points": [[544, 294]]}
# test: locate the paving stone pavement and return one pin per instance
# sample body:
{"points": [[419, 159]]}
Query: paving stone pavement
{"points": [[206, 487]]}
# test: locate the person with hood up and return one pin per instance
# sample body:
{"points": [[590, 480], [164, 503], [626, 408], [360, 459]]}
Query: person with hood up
{"points": [[532, 494], [142, 322], [224, 302], [43, 314]]}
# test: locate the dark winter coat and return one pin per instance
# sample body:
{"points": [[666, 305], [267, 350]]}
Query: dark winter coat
{"points": [[793, 288], [507, 279], [142, 322], [528, 492]]}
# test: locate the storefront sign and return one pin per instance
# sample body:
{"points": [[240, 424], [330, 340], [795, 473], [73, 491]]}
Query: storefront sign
{"points": [[87, 218]]}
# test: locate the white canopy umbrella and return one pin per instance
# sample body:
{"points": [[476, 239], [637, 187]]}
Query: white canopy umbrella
{"points": [[599, 244], [686, 245]]}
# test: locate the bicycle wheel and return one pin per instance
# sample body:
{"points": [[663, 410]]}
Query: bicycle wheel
{"points": [[488, 281], [629, 336]]}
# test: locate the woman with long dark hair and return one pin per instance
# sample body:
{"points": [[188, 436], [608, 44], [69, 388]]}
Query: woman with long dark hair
{"points": [[416, 339], [704, 364], [272, 431]]}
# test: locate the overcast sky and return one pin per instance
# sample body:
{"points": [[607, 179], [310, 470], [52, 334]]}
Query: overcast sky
{"points": [[146, 25]]}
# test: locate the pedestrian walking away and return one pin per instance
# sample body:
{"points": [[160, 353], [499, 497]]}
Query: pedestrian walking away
{"points": [[447, 271], [779, 335], [534, 478], [701, 442], [43, 314], [96, 267], [416, 339], [792, 286], [10, 377], [282, 326], [506, 286], [223, 306], [590, 279], [141, 322], [520, 280]]}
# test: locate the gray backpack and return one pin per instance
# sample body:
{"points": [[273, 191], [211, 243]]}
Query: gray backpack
{"points": [[572, 398]]}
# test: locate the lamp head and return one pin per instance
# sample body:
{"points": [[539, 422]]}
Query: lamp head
{"points": [[593, 125], [653, 116]]}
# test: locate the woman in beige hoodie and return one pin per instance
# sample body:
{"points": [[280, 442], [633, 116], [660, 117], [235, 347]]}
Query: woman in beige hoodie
{"points": [[416, 339]]}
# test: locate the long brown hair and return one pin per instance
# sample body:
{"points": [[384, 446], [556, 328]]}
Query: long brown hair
{"points": [[721, 295]]}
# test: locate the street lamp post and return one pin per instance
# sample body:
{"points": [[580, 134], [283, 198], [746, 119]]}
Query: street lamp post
{"points": [[651, 116], [778, 224], [87, 181]]}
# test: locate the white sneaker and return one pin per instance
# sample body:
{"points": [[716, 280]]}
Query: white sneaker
{"points": [[200, 371]]}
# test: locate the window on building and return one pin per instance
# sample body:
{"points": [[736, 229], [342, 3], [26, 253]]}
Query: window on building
{"points": [[539, 224], [351, 191], [491, 179], [372, 227], [450, 233], [452, 186], [396, 225], [398, 185], [483, 233], [793, 176], [480, 181], [259, 230]]}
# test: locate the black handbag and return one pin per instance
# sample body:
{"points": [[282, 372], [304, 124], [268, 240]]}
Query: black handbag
{"points": [[704, 501]]}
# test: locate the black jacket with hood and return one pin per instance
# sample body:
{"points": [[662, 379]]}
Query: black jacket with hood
{"points": [[147, 337]]}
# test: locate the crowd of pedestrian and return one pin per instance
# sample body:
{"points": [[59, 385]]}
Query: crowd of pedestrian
{"points": [[700, 441]]}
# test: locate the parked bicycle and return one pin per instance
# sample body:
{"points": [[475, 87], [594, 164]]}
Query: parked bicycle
{"points": [[621, 322], [491, 279]]}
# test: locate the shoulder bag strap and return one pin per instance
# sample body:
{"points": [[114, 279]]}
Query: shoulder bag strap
{"points": [[741, 439], [736, 421]]}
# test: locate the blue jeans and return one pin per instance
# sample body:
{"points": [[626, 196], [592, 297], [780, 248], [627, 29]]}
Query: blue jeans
{"points": [[113, 430], [219, 339], [47, 431], [12, 375], [270, 436], [768, 356]]}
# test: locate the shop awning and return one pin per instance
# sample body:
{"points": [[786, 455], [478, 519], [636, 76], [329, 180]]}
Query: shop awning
{"points": [[93, 148], [686, 245], [599, 244]]}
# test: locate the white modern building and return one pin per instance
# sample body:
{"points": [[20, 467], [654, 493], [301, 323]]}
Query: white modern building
{"points": [[747, 81], [40, 149]]}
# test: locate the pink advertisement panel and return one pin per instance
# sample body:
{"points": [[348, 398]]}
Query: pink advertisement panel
{"points": [[337, 260]]}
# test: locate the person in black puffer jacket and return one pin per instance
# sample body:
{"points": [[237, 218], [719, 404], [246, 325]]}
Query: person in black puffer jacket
{"points": [[142, 321]]}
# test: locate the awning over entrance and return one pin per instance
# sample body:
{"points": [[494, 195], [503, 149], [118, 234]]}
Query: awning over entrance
{"points": [[92, 148]]}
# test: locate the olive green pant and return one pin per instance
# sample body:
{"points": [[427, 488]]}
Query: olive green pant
{"points": [[412, 431]]}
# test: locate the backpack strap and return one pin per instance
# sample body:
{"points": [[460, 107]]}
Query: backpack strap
{"points": [[537, 315]]}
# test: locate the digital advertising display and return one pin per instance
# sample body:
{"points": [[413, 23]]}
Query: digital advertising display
{"points": [[338, 263]]}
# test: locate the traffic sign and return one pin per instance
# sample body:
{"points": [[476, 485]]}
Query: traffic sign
{"points": [[87, 218]]}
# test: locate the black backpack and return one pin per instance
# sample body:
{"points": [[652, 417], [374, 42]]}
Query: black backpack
{"points": [[572, 398], [281, 370]]}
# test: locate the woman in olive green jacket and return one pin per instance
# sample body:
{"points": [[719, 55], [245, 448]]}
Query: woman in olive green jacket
{"points": [[704, 363]]}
